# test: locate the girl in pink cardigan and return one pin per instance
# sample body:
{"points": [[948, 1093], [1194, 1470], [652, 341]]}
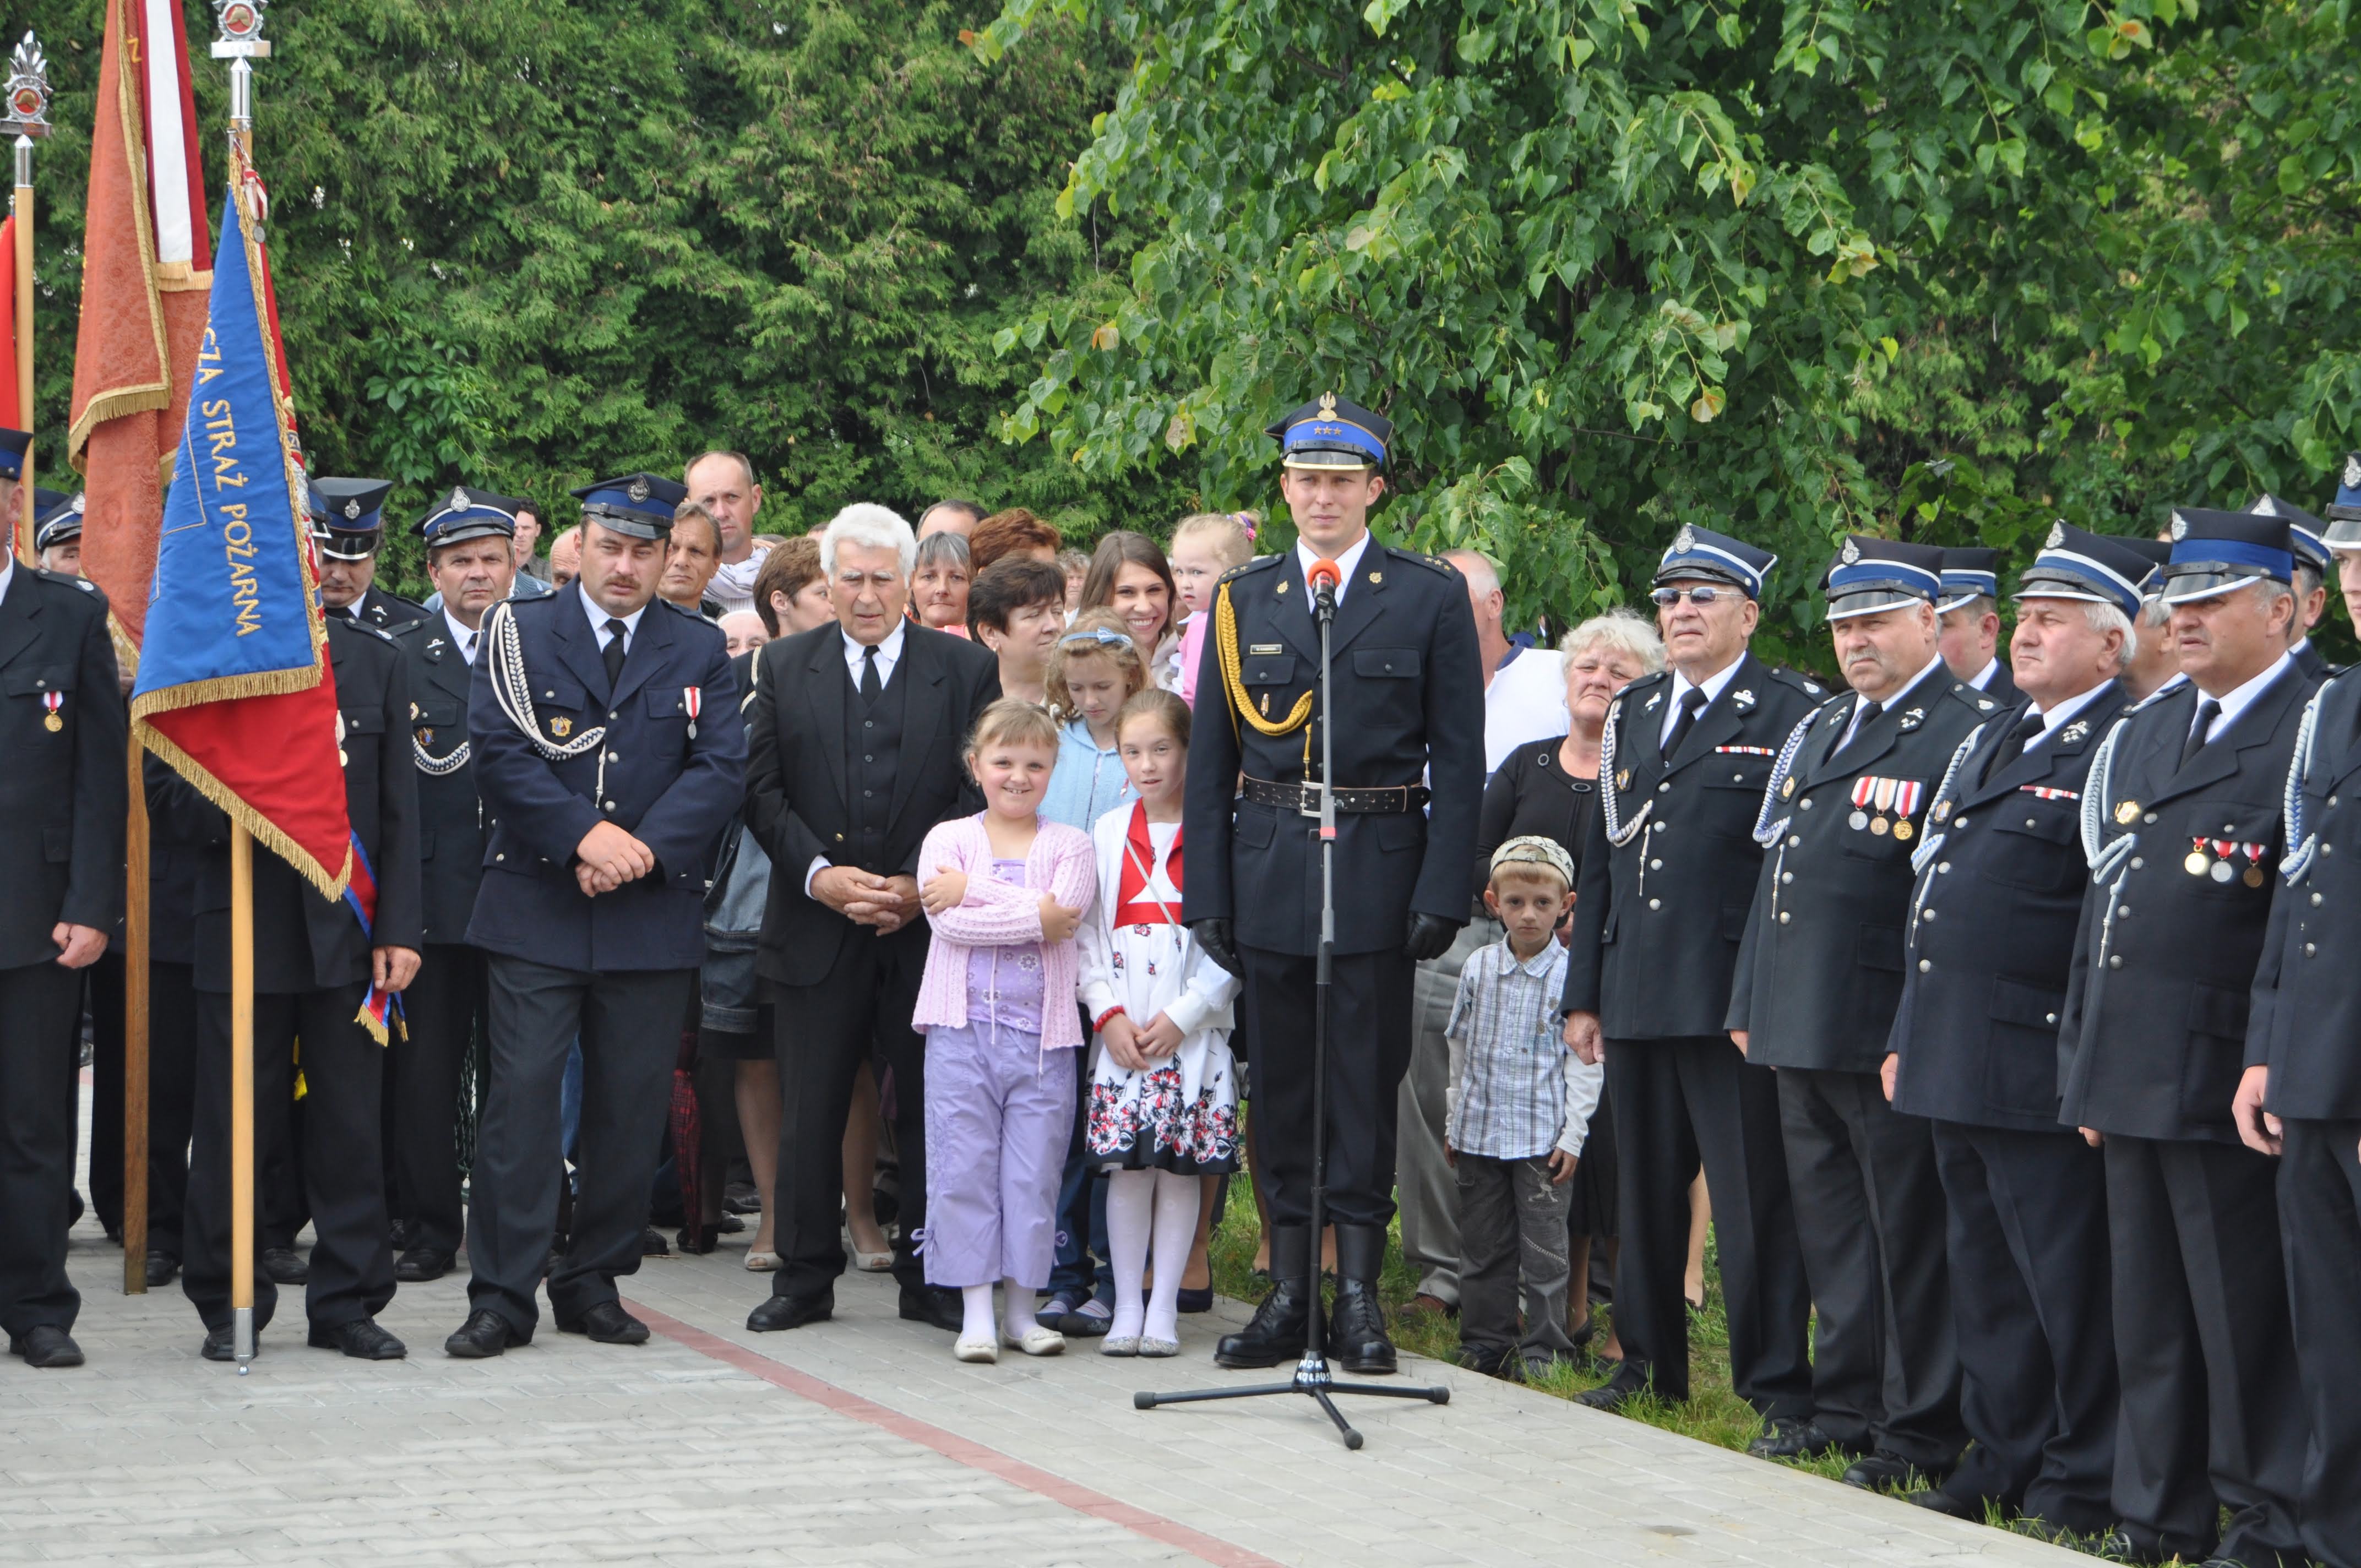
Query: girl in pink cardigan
{"points": [[1007, 893]]}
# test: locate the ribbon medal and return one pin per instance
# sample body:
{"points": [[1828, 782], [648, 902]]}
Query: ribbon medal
{"points": [[692, 700], [2196, 862], [50, 720], [2220, 870], [2254, 874], [1882, 802], [1862, 789], [1906, 794]]}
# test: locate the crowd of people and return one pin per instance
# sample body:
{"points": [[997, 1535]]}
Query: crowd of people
{"points": [[970, 889]]}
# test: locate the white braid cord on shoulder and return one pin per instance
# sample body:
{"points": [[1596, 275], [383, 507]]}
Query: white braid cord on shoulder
{"points": [[1766, 832], [2303, 844], [1619, 833], [512, 688], [2103, 854], [1932, 843]]}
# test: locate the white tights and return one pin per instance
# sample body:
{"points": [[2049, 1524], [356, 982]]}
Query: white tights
{"points": [[1016, 1318], [1140, 1204]]}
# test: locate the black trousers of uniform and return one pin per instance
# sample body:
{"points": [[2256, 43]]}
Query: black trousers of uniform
{"points": [[2213, 1414], [1679, 1104], [1369, 1051], [39, 1007], [342, 1170], [441, 1007], [1869, 1207], [2320, 1219], [629, 1024], [171, 1090], [2028, 1244], [823, 1033]]}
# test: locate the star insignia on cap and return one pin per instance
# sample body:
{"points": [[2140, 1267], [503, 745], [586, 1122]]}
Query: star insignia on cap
{"points": [[639, 490], [352, 510], [458, 501], [2180, 528], [1851, 555], [2057, 536], [1684, 541]]}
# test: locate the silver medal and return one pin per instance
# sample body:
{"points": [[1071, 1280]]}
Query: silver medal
{"points": [[1857, 821], [2221, 871]]}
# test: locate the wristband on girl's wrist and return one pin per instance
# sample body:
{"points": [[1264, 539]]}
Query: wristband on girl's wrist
{"points": [[1099, 1023]]}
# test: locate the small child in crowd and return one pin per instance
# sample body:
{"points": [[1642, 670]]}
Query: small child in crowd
{"points": [[1520, 1106], [1204, 545], [1164, 1093], [1005, 895]]}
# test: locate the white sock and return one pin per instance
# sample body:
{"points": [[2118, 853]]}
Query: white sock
{"points": [[1176, 1233], [976, 1304], [1131, 1197], [1017, 1319]]}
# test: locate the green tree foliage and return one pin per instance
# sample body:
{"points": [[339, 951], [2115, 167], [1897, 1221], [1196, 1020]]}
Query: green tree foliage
{"points": [[526, 242], [1785, 267]]}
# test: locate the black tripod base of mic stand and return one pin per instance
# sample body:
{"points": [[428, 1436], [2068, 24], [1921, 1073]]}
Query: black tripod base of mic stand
{"points": [[1311, 1377]]}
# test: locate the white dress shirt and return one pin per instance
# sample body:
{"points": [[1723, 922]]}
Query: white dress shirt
{"points": [[2239, 698], [7, 571], [1852, 726], [1715, 684], [1984, 677], [464, 640], [600, 617], [1345, 563]]}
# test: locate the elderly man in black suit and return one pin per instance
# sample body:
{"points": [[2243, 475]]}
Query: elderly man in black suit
{"points": [[856, 742]]}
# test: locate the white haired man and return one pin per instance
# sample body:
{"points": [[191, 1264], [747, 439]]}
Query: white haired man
{"points": [[855, 741]]}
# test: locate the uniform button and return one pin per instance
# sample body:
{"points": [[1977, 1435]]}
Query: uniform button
{"points": [[2114, 961], [2332, 800], [614, 756], [1655, 865], [2028, 822], [868, 757], [868, 794], [2149, 817], [1655, 904], [1962, 822], [869, 724], [1786, 876], [1738, 778], [500, 857], [1665, 789], [2229, 828], [1942, 868], [1783, 917], [39, 682], [1794, 840], [2307, 949], [1926, 965], [2137, 862], [2123, 912], [2053, 1017], [610, 805], [1805, 803], [613, 714], [1925, 915], [2315, 901]]}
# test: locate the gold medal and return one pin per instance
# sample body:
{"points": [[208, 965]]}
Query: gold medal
{"points": [[1902, 831], [53, 723], [2196, 864], [2254, 876], [1877, 825], [2127, 812]]}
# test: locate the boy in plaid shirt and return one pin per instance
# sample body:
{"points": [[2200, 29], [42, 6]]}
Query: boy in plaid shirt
{"points": [[1520, 1106]]}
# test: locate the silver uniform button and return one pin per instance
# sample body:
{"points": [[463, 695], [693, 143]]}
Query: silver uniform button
{"points": [[2315, 901], [2114, 961], [1655, 865], [2053, 1017], [2137, 861], [1655, 904], [1805, 803], [1942, 868], [2307, 949], [2122, 911], [1926, 965], [1925, 915], [1665, 789], [2150, 818], [1794, 840], [1782, 917], [1786, 876]]}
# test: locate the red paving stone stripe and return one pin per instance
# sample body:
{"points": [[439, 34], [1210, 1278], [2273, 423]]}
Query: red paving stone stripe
{"points": [[974, 1455]]}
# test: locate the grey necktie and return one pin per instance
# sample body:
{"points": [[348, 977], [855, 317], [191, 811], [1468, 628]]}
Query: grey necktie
{"points": [[2207, 712]]}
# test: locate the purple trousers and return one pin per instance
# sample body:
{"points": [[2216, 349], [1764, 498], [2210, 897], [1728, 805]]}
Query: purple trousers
{"points": [[999, 1112]]}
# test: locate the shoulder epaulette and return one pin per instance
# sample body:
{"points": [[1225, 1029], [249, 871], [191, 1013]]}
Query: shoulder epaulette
{"points": [[1258, 563], [1800, 681], [67, 578], [405, 628], [681, 610], [2159, 695], [1437, 562], [1974, 701]]}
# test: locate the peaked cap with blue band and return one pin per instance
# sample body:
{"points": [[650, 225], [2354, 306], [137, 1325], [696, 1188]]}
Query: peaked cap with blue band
{"points": [[61, 523], [347, 515], [2344, 511], [1972, 572], [14, 444], [1331, 433], [1696, 553], [2306, 533], [638, 505], [469, 513], [1871, 574], [2155, 552], [2075, 564], [2215, 551]]}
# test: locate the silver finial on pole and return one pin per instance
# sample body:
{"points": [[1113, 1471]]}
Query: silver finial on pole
{"points": [[29, 102], [241, 30]]}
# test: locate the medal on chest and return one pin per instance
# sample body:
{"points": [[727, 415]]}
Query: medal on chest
{"points": [[692, 702], [50, 720]]}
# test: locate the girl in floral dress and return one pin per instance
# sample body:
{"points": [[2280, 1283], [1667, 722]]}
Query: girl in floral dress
{"points": [[1163, 1100]]}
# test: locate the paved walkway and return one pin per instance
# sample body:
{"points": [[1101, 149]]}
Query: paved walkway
{"points": [[856, 1443]]}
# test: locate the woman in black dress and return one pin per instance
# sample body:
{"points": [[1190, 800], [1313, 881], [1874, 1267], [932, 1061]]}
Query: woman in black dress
{"points": [[1550, 787]]}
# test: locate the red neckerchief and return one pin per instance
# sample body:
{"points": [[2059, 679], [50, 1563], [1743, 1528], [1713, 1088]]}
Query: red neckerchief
{"points": [[1133, 906]]}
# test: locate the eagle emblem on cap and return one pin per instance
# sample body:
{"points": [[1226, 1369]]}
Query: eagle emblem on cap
{"points": [[1851, 555], [2057, 535], [458, 501], [2352, 470], [1327, 405], [1684, 541], [2180, 528], [352, 509], [639, 490]]}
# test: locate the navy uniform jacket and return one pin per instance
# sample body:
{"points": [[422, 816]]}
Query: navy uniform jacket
{"points": [[799, 771], [2155, 1034], [62, 792], [303, 941], [1409, 710], [453, 824], [672, 790], [2306, 1022], [1993, 941], [1819, 973], [380, 609], [1657, 924]]}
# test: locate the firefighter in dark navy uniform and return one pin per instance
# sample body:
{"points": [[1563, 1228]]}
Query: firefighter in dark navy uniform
{"points": [[1409, 720], [347, 518]]}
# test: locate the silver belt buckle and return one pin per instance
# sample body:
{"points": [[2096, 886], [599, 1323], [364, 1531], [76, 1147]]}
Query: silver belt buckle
{"points": [[1307, 801]]}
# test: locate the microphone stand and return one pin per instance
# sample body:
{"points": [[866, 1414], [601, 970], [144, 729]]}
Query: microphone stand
{"points": [[1311, 1373]]}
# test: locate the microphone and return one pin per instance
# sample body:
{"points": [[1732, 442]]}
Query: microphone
{"points": [[1324, 579]]}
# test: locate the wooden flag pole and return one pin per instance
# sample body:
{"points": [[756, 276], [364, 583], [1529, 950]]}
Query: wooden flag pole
{"points": [[29, 114], [241, 1094], [134, 1030]]}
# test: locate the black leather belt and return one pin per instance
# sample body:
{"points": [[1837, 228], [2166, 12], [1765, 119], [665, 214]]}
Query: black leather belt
{"points": [[1305, 798]]}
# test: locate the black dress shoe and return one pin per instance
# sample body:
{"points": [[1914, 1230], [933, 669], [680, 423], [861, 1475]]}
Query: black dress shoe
{"points": [[1791, 1437], [1884, 1472], [1615, 1393], [742, 1198], [285, 1266], [936, 1307], [162, 1268], [792, 1312], [221, 1344], [43, 1345], [1357, 1331], [1937, 1500], [421, 1263], [2119, 1545], [1282, 1324], [485, 1334], [606, 1323], [652, 1243], [1481, 1358], [359, 1338]]}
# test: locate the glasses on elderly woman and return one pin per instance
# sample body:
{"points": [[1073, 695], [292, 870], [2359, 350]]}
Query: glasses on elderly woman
{"points": [[1699, 595]]}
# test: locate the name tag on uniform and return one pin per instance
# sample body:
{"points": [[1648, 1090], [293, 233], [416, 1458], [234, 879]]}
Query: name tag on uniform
{"points": [[1258, 650]]}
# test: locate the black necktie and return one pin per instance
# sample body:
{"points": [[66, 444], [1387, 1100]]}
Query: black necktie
{"points": [[873, 686], [614, 651], [467, 650], [1868, 710], [2027, 729], [1692, 703], [2207, 712]]}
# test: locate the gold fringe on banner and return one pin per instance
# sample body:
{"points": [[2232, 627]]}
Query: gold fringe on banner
{"points": [[265, 831]]}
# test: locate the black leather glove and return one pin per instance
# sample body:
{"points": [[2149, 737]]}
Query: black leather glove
{"points": [[1216, 937], [1430, 937]]}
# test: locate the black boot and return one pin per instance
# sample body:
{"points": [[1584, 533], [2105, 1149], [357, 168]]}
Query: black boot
{"points": [[1357, 1330], [1283, 1322]]}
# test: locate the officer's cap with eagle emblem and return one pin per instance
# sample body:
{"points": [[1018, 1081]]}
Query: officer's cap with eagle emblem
{"points": [[1970, 573], [638, 505], [468, 513], [1698, 553], [2306, 533], [347, 515], [1330, 432], [59, 523], [1872, 574], [2215, 551], [2077, 564], [2344, 511]]}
